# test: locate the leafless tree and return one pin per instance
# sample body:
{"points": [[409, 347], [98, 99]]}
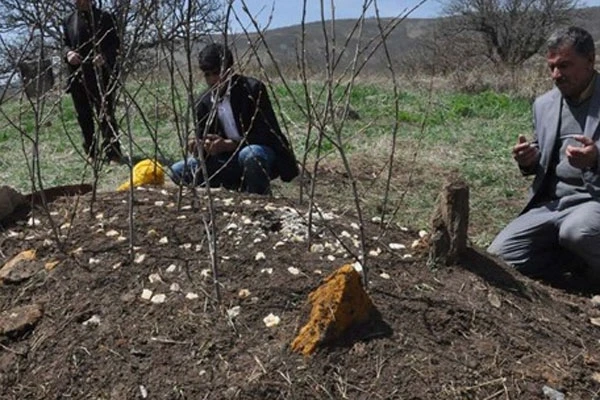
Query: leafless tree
{"points": [[510, 30]]}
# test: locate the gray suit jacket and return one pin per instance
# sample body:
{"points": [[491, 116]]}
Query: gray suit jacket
{"points": [[546, 118]]}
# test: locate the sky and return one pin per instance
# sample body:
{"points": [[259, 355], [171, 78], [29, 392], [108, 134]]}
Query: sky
{"points": [[289, 12]]}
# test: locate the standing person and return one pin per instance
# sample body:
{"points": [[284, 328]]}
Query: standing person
{"points": [[561, 221], [236, 130], [92, 45]]}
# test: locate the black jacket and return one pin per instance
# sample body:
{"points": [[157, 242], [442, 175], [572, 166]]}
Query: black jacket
{"points": [[90, 33], [255, 120]]}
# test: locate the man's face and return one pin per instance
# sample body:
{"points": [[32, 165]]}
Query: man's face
{"points": [[570, 71], [83, 5], [212, 78]]}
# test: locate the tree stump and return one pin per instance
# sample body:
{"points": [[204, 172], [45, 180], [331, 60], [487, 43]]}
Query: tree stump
{"points": [[450, 222]]}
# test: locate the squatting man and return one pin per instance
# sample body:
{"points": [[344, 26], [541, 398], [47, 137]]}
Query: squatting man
{"points": [[237, 134], [560, 224]]}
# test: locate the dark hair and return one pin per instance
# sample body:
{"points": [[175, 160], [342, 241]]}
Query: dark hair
{"points": [[579, 38], [214, 56]]}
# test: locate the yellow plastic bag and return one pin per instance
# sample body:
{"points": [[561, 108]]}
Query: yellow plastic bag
{"points": [[146, 172]]}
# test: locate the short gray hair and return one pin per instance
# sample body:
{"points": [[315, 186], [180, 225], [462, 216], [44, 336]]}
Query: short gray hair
{"points": [[574, 36]]}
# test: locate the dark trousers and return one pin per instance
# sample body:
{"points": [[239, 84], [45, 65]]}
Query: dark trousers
{"points": [[95, 102]]}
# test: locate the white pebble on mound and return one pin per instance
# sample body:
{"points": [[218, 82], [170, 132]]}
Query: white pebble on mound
{"points": [[397, 246], [146, 294], [260, 256], [171, 268], [158, 298], [293, 271], [234, 312], [191, 296], [271, 320]]}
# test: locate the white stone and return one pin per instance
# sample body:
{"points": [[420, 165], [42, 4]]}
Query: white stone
{"points": [[181, 217], [397, 246], [159, 203], [293, 270], [260, 256], [354, 226], [175, 287], [278, 244], [317, 271], [205, 273], [415, 244], [186, 246], [94, 320], [345, 234], [234, 312], [257, 240], [247, 202], [422, 233], [143, 391], [33, 221], [163, 240], [117, 265], [376, 220], [64, 226], [171, 268], [243, 293], [246, 221], [99, 216], [271, 320], [155, 278], [317, 248], [384, 275], [158, 298], [139, 258], [231, 227], [270, 207], [112, 233], [331, 257], [185, 208], [146, 294], [228, 202], [94, 261], [376, 252], [266, 271], [191, 296], [407, 256], [357, 266], [121, 239]]}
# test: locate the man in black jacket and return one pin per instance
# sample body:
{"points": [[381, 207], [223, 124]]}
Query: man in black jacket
{"points": [[92, 45], [237, 132]]}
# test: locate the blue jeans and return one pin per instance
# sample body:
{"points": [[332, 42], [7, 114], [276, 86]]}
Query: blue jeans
{"points": [[250, 170]]}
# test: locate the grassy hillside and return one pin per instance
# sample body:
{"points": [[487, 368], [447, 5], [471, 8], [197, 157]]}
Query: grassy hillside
{"points": [[437, 134]]}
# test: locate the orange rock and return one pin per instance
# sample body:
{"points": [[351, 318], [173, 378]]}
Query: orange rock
{"points": [[16, 262], [339, 303]]}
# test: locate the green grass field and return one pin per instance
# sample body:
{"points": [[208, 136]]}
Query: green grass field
{"points": [[437, 134]]}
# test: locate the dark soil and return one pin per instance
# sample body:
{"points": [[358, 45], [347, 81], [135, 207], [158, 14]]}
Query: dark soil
{"points": [[476, 330]]}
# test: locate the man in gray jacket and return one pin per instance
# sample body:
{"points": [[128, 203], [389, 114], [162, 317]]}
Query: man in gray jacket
{"points": [[561, 222]]}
